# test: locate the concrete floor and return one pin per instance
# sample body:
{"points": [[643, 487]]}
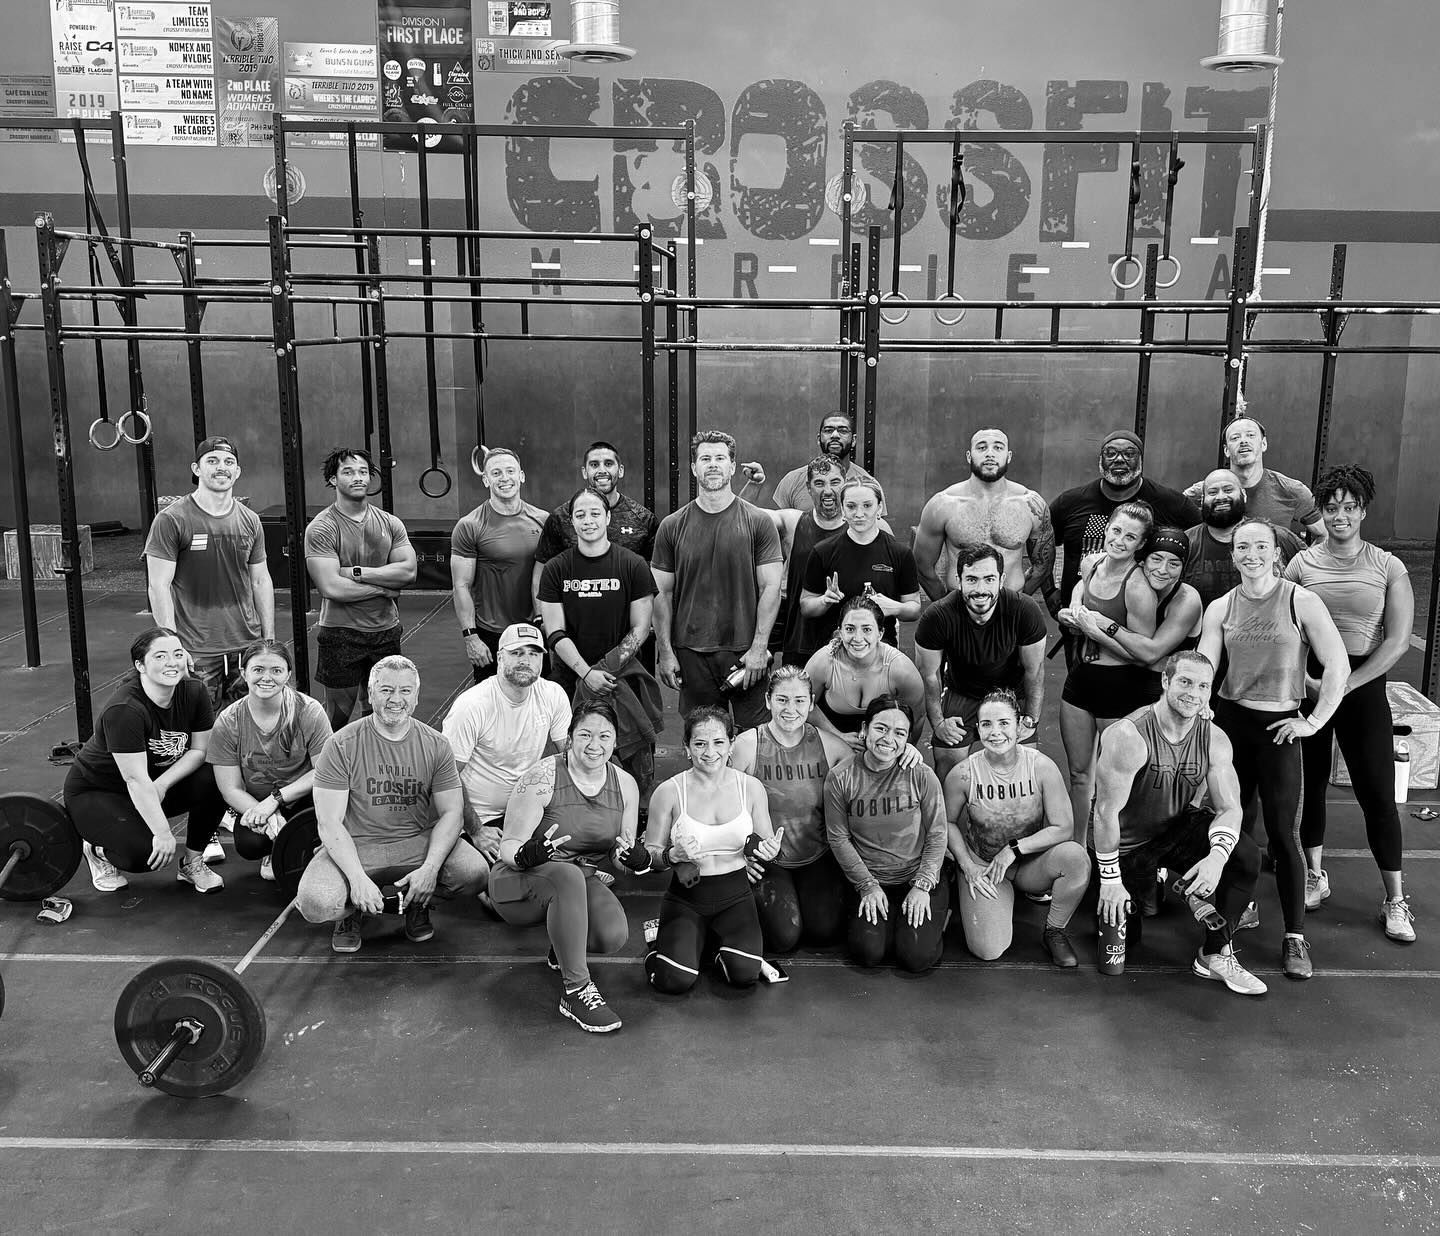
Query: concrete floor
{"points": [[436, 1085]]}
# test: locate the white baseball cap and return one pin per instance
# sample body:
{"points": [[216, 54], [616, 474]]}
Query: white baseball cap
{"points": [[521, 635]]}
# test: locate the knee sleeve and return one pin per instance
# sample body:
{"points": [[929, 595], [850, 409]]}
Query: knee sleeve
{"points": [[740, 945], [669, 976], [779, 910]]}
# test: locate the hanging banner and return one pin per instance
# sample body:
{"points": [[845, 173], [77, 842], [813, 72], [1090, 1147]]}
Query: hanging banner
{"points": [[26, 94], [169, 128], [521, 19], [167, 64], [165, 55], [333, 80], [247, 79], [161, 20], [82, 34], [426, 69]]}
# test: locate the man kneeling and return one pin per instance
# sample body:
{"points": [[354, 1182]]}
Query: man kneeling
{"points": [[389, 807], [1152, 768]]}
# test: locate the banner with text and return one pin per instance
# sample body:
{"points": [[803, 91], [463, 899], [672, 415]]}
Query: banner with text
{"points": [[426, 69]]}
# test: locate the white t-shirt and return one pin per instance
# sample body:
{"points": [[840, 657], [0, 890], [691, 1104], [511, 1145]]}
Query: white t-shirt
{"points": [[496, 741]]}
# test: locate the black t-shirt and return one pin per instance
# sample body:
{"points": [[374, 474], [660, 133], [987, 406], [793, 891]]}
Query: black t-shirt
{"points": [[632, 527], [1080, 516], [131, 722], [886, 565], [595, 595], [979, 658], [799, 638]]}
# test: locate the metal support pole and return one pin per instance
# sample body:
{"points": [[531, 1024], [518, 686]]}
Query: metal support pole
{"points": [[357, 221], [850, 276], [1240, 274], [282, 323], [1334, 324], [1147, 335], [872, 347], [194, 315], [65, 475], [10, 398], [1430, 673], [380, 362], [692, 260], [672, 400], [645, 289]]}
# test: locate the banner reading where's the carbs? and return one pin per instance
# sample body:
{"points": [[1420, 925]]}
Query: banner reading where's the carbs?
{"points": [[426, 70]]}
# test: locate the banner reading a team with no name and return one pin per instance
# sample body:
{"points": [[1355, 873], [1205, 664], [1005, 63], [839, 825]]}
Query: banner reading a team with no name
{"points": [[425, 69]]}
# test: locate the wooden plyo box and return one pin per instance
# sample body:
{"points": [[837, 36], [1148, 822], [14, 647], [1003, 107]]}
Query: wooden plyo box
{"points": [[45, 551]]}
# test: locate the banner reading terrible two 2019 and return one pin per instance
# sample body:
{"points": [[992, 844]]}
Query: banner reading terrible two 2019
{"points": [[425, 69]]}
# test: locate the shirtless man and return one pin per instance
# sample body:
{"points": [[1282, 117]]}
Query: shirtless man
{"points": [[987, 509]]}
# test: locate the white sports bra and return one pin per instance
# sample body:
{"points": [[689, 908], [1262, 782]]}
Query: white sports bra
{"points": [[719, 848]]}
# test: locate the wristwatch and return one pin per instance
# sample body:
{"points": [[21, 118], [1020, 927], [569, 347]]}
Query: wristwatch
{"points": [[1015, 846], [355, 572], [467, 632], [1028, 721], [1111, 629]]}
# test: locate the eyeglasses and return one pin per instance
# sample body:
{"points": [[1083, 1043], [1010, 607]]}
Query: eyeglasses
{"points": [[1348, 508], [1111, 453]]}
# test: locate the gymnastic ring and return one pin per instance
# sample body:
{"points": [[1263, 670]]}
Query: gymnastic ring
{"points": [[379, 479], [904, 313], [477, 460], [1119, 265], [102, 446], [954, 298], [432, 471], [135, 439], [1166, 257]]}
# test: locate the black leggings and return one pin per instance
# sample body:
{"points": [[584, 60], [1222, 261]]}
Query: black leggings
{"points": [[802, 903], [1273, 771], [110, 820], [915, 949], [1362, 724], [718, 912], [254, 846]]}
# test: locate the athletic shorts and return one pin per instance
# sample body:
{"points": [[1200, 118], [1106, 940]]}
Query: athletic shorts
{"points": [[345, 656], [1107, 691]]}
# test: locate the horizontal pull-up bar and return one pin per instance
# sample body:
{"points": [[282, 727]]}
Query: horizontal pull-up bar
{"points": [[450, 233], [664, 133], [1034, 137], [170, 246]]}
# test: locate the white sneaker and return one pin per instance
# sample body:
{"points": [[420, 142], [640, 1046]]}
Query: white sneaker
{"points": [[1225, 968], [267, 869], [1317, 889], [104, 874], [194, 871], [215, 852], [1396, 918]]}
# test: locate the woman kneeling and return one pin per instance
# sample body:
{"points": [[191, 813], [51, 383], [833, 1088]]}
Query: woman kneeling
{"points": [[886, 827], [1011, 827]]}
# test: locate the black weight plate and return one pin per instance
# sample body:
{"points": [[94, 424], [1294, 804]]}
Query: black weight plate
{"points": [[2, 995], [295, 846], [214, 995], [44, 826]]}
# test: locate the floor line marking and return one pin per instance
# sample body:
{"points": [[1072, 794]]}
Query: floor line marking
{"points": [[62, 616], [708, 1150], [526, 959]]}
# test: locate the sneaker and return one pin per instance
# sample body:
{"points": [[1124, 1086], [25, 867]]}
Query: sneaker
{"points": [[652, 929], [1225, 968], [605, 878], [345, 938], [588, 1010], [104, 874], [1042, 899], [193, 871], [267, 869], [1250, 919], [418, 927], [1295, 958], [1058, 945], [1317, 889], [552, 961], [215, 852], [1395, 917]]}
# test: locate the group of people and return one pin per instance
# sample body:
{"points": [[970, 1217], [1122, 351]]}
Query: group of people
{"points": [[806, 812]]}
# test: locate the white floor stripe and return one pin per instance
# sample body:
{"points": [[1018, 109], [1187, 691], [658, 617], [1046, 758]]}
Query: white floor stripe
{"points": [[710, 1150]]}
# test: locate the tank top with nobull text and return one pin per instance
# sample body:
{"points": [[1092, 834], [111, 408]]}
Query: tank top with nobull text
{"points": [[1003, 805]]}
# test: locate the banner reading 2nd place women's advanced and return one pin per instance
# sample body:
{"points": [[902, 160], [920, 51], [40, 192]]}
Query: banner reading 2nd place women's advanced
{"points": [[425, 69]]}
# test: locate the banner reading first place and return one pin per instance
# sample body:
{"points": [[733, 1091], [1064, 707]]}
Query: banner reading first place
{"points": [[426, 70]]}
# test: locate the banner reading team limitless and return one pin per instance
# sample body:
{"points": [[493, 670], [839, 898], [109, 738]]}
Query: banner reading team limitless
{"points": [[425, 68]]}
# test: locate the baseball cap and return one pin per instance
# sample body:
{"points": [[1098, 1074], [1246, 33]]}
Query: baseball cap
{"points": [[216, 444], [520, 635]]}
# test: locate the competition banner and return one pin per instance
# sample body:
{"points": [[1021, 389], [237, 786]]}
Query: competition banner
{"points": [[82, 34], [161, 20], [334, 80], [169, 128], [521, 19], [167, 94], [426, 70], [247, 79], [167, 64], [165, 55], [26, 94]]}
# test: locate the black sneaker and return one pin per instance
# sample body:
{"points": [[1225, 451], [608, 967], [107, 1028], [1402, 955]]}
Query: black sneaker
{"points": [[588, 1010], [418, 927], [1061, 951], [552, 961]]}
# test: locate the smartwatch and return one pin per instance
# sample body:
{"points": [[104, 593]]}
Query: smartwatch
{"points": [[467, 632], [355, 572], [1112, 628], [1015, 847]]}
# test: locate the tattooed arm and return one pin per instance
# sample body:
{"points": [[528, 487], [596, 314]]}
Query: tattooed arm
{"points": [[527, 804], [1040, 547]]}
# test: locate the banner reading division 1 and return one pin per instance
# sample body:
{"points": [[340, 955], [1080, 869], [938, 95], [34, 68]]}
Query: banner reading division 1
{"points": [[247, 79], [425, 69]]}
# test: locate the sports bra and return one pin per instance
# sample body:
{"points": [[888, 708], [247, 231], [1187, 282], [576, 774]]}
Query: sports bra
{"points": [[718, 848], [844, 720], [1113, 608]]}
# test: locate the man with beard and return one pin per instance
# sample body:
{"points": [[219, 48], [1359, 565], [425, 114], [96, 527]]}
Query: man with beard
{"points": [[800, 531], [864, 559], [837, 440], [1210, 569], [500, 728], [388, 806], [987, 509], [359, 558], [492, 561], [981, 636], [1284, 501], [718, 569], [632, 526], [1080, 516], [1152, 766]]}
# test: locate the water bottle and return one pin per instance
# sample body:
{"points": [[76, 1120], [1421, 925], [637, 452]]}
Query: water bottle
{"points": [[1110, 956], [1205, 914], [735, 680], [1402, 771]]}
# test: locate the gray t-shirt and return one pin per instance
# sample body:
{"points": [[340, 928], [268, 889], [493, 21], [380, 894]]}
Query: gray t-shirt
{"points": [[214, 601], [366, 542], [391, 783], [268, 761]]}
